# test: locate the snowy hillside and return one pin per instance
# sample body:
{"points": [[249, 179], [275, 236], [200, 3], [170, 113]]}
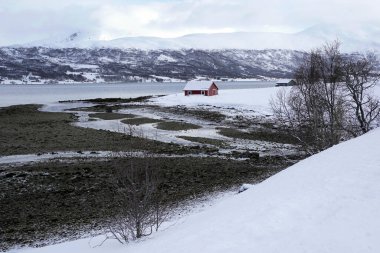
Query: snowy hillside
{"points": [[51, 65], [83, 57], [329, 202], [352, 38], [76, 39]]}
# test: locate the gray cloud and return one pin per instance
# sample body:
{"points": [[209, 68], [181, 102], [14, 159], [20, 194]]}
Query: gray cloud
{"points": [[22, 21]]}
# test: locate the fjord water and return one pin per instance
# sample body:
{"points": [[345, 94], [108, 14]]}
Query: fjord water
{"points": [[48, 93]]}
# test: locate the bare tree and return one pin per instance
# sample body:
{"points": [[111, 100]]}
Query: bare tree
{"points": [[141, 210], [360, 76], [330, 89], [314, 109]]}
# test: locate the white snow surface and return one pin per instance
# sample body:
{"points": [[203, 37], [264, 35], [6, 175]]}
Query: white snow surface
{"points": [[233, 102], [243, 99], [329, 202], [165, 58]]}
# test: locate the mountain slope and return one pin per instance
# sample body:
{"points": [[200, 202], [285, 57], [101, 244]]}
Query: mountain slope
{"points": [[42, 65], [327, 203]]}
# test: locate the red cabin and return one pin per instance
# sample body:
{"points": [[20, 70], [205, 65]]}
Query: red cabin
{"points": [[205, 88]]}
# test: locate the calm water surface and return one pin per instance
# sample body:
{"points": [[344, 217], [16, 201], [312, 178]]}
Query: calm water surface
{"points": [[39, 93]]}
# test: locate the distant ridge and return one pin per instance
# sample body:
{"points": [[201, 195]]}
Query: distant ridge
{"points": [[360, 38]]}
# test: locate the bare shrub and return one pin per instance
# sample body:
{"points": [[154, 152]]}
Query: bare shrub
{"points": [[313, 110], [109, 109], [139, 202], [129, 130]]}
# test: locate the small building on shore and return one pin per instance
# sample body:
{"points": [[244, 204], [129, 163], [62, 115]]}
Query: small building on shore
{"points": [[286, 82], [205, 88]]}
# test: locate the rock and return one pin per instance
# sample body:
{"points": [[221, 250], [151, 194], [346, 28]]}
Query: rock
{"points": [[245, 187]]}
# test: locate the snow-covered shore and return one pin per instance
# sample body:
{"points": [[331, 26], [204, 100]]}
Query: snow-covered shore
{"points": [[247, 101]]}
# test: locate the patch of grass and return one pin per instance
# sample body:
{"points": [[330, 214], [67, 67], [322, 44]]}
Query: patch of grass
{"points": [[111, 116], [107, 104], [260, 135], [98, 108], [176, 126], [140, 121], [112, 100], [197, 113], [209, 141]]}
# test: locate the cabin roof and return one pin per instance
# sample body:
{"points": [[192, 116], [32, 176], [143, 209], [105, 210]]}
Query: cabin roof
{"points": [[284, 81], [199, 85]]}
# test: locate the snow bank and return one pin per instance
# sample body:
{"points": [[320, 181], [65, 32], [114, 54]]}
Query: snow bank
{"points": [[257, 100], [233, 102], [329, 202]]}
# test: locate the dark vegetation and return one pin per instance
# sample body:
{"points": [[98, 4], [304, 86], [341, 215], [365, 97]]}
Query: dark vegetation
{"points": [[176, 126], [140, 121], [259, 134], [111, 116], [25, 130], [62, 199], [116, 100], [108, 105], [197, 113], [202, 114]]}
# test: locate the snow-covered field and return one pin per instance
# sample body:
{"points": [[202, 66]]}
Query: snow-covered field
{"points": [[329, 202], [230, 102]]}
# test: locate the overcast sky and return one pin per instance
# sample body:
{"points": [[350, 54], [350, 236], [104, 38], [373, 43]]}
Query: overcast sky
{"points": [[23, 21]]}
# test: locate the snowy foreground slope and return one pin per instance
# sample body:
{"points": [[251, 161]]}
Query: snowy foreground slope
{"points": [[329, 202]]}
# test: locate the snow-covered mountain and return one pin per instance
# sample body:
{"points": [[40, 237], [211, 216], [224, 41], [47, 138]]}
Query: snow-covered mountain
{"points": [[79, 39], [83, 57], [46, 65], [354, 38]]}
